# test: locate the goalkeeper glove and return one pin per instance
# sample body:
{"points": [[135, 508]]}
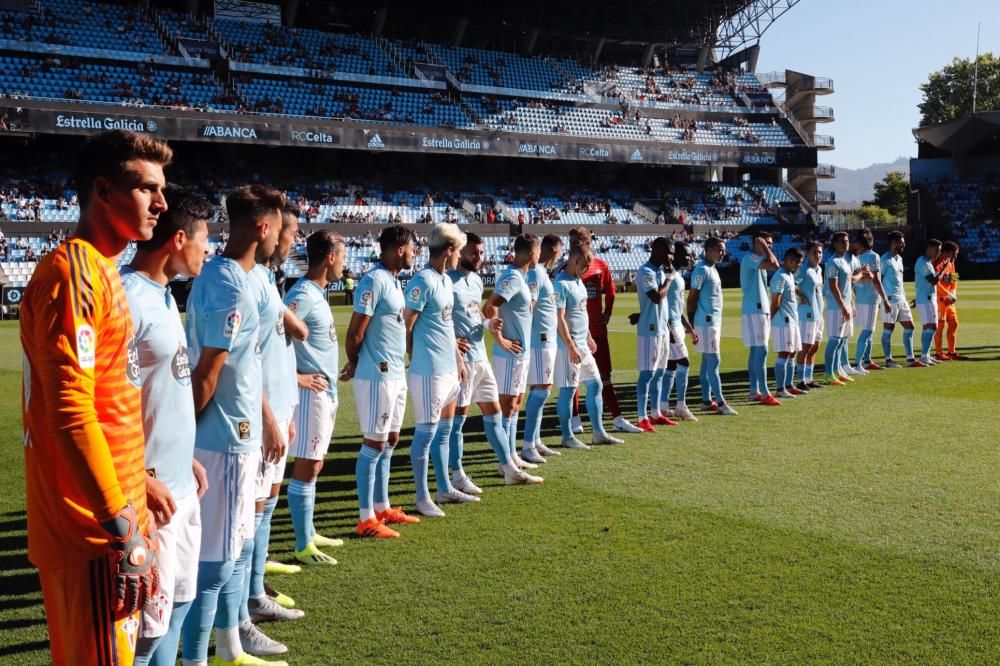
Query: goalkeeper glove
{"points": [[133, 562]]}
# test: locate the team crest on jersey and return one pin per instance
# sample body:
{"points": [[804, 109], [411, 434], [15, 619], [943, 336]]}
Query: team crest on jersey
{"points": [[86, 346], [415, 294], [232, 326], [533, 288], [180, 366], [132, 364]]}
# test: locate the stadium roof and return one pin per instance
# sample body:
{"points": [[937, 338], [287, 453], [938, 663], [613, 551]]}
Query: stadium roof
{"points": [[963, 135], [561, 25]]}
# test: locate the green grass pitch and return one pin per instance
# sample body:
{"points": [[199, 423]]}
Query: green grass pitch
{"points": [[856, 524]]}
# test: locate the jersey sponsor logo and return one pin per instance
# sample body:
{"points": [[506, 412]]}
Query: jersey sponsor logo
{"points": [[279, 327], [232, 325], [399, 316], [333, 332], [592, 292], [472, 311], [446, 313], [132, 371], [86, 346], [180, 366], [415, 294]]}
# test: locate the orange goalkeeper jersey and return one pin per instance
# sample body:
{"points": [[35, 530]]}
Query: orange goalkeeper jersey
{"points": [[83, 441], [946, 286]]}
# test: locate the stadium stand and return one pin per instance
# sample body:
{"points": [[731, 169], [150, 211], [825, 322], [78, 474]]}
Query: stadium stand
{"points": [[92, 25], [965, 205]]}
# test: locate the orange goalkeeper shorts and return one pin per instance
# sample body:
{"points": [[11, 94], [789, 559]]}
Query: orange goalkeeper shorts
{"points": [[947, 313], [82, 627]]}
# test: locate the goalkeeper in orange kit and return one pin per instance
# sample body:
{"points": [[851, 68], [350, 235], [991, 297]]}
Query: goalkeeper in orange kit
{"points": [[88, 526], [947, 296]]}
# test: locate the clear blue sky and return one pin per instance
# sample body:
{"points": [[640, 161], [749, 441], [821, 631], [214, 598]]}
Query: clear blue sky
{"points": [[877, 52]]}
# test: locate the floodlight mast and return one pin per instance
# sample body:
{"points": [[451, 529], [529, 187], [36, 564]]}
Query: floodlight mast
{"points": [[746, 22]]}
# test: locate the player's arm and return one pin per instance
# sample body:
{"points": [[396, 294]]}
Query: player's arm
{"points": [[352, 343], [775, 301], [491, 310], [562, 328], [692, 303], [409, 319], [930, 275], [835, 290], [205, 377], [880, 290], [295, 328], [274, 445], [768, 261], [608, 288]]}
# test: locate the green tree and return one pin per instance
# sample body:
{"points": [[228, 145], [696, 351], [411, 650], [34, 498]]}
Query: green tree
{"points": [[891, 193], [874, 215], [948, 91]]}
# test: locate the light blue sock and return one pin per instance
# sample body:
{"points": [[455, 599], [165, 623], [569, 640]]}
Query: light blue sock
{"points": [[301, 504], [642, 393], [164, 651], [779, 372], [712, 372], [681, 382], [262, 535], [762, 370], [595, 406], [245, 597], [656, 390], [828, 357], [533, 414], [382, 476], [908, 343], [364, 472], [497, 436], [800, 369], [506, 421], [752, 371], [512, 434], [926, 338], [887, 343], [423, 434], [790, 371], [667, 384], [231, 596], [564, 407], [862, 347], [706, 389], [439, 455], [197, 626], [456, 447], [866, 357], [845, 359]]}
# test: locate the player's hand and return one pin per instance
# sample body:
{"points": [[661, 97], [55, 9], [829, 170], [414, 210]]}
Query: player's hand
{"points": [[633, 318], [510, 346], [887, 307], [574, 356], [496, 325], [133, 563], [315, 382], [606, 317], [159, 501], [274, 445], [463, 345], [291, 432], [347, 373], [591, 345], [845, 313], [462, 372], [200, 477], [694, 337], [854, 313]]}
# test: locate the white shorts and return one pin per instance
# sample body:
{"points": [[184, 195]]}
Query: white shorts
{"points": [[228, 505], [676, 346], [269, 474], [900, 313], [928, 312], [756, 329], [786, 338], [653, 352], [380, 406], [708, 339], [511, 373], [430, 393], [867, 316], [836, 326], [479, 385], [177, 563], [543, 364], [570, 375], [810, 330], [315, 419]]}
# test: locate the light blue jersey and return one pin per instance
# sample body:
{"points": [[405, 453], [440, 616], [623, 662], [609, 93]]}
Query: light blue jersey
{"points": [[865, 291], [810, 283], [675, 300], [383, 350], [515, 312], [892, 278], [923, 269], [837, 266], [429, 293], [543, 318], [571, 296], [753, 282], [280, 386], [706, 280], [467, 313], [318, 354], [222, 314], [783, 284], [652, 317], [158, 364]]}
